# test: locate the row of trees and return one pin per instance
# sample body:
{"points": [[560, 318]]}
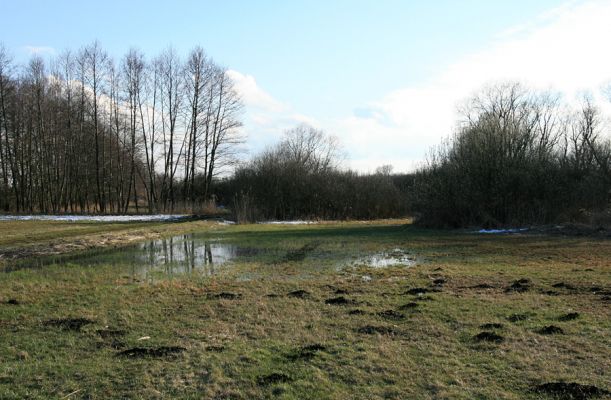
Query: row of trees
{"points": [[300, 177], [519, 156], [85, 133]]}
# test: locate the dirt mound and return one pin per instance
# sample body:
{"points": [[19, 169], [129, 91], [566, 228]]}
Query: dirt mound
{"points": [[151, 352], [570, 390], [519, 286], [418, 291], [215, 349], [69, 324], [409, 306], [563, 285], [392, 315], [307, 352], [439, 281], [109, 333], [300, 294], [340, 300], [550, 330], [482, 286], [487, 336], [226, 296], [356, 311], [518, 317], [569, 317], [12, 302], [492, 325]]}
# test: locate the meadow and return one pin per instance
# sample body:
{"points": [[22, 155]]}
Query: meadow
{"points": [[304, 311]]}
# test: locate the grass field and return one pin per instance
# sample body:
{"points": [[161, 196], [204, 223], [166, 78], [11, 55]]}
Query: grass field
{"points": [[477, 317]]}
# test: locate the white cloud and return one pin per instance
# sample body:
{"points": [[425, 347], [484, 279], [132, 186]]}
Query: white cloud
{"points": [[565, 48], [266, 117], [252, 95]]}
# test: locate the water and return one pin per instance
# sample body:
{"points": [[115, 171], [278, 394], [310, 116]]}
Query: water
{"points": [[200, 254], [386, 259], [168, 256]]}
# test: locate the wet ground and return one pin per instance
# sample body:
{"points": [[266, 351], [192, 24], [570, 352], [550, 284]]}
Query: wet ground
{"points": [[202, 254]]}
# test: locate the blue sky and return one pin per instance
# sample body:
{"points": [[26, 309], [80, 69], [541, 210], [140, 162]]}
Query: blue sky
{"points": [[325, 62]]}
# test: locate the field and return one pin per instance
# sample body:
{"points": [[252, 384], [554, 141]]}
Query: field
{"points": [[302, 313]]}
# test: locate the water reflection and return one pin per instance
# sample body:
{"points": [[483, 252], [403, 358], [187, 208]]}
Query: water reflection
{"points": [[183, 254], [168, 256]]}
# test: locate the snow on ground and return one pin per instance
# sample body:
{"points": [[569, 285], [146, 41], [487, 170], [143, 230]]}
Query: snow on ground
{"points": [[94, 218], [513, 230], [296, 222]]}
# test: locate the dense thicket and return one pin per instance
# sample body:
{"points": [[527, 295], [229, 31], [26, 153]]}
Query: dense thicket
{"points": [[85, 133], [519, 157], [300, 178]]}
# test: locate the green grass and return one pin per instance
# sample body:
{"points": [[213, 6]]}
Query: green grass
{"points": [[234, 346]]}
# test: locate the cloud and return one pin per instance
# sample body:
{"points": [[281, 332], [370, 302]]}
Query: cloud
{"points": [[564, 49], [266, 117], [39, 50], [252, 95]]}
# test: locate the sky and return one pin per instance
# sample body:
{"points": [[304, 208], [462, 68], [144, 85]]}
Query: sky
{"points": [[385, 77]]}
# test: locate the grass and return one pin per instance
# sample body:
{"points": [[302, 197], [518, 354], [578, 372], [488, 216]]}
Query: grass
{"points": [[245, 336]]}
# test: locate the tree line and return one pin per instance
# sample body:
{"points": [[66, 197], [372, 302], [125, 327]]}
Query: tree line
{"points": [[519, 156], [87, 133], [301, 177]]}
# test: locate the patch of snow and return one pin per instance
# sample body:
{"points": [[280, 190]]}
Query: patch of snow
{"points": [[497, 231], [296, 222], [94, 218]]}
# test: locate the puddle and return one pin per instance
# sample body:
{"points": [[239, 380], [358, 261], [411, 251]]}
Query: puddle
{"points": [[169, 256], [386, 259]]}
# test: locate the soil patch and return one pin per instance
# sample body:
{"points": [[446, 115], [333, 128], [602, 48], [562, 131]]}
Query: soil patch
{"points": [[110, 333], [519, 286], [226, 296], [487, 336], [69, 324], [392, 315], [439, 281], [300, 294], [408, 306], [356, 311], [307, 352], [570, 390], [550, 330], [341, 300], [563, 285], [569, 317], [215, 349], [492, 325], [518, 317], [418, 291], [482, 286], [12, 302], [151, 352]]}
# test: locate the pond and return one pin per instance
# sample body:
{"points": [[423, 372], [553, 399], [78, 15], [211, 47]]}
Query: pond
{"points": [[173, 255], [201, 254]]}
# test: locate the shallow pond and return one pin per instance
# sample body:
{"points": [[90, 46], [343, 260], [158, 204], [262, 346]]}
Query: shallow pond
{"points": [[174, 255], [201, 254]]}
